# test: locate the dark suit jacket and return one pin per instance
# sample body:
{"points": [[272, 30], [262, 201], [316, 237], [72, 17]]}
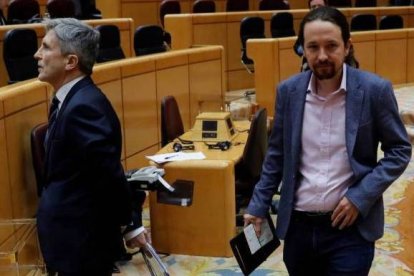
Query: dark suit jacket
{"points": [[86, 198], [371, 118]]}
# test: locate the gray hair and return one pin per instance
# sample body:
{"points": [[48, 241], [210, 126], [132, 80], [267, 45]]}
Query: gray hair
{"points": [[75, 37]]}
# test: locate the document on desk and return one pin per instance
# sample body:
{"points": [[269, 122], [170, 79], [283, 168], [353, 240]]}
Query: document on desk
{"points": [[176, 156]]}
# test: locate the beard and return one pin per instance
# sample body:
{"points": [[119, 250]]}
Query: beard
{"points": [[324, 70]]}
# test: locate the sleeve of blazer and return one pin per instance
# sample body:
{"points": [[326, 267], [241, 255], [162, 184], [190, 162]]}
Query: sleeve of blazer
{"points": [[95, 130], [387, 128], [273, 163]]}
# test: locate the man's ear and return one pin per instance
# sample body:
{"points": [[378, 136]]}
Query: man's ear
{"points": [[72, 62]]}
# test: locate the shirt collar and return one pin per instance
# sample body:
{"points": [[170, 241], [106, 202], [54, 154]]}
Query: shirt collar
{"points": [[64, 90], [311, 86]]}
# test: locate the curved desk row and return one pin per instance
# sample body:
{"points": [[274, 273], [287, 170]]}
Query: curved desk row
{"points": [[134, 86], [147, 11], [125, 25], [389, 54], [188, 30]]}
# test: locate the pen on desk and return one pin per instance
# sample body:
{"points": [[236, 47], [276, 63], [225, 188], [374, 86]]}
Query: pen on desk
{"points": [[171, 156]]}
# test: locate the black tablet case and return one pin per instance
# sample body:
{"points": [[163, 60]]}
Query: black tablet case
{"points": [[249, 262]]}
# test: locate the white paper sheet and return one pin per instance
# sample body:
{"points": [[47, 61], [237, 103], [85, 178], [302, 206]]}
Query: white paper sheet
{"points": [[176, 156], [254, 242]]}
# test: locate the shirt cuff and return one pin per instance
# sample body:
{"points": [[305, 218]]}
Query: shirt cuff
{"points": [[132, 234]]}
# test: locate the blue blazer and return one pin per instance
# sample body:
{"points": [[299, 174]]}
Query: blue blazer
{"points": [[372, 118], [86, 197]]}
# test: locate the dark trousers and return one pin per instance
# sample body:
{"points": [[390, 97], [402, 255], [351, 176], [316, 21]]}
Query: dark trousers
{"points": [[313, 247]]}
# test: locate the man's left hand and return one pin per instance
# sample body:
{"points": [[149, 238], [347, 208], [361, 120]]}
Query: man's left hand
{"points": [[140, 240], [344, 214]]}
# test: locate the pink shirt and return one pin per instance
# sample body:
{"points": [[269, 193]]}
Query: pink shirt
{"points": [[324, 165]]}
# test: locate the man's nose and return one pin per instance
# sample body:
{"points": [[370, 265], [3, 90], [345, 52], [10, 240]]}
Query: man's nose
{"points": [[322, 54], [37, 54]]}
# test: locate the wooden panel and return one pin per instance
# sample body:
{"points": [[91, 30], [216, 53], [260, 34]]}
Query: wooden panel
{"points": [[391, 56], [138, 160], [22, 180], [142, 14], [290, 63], [213, 34], [206, 91], [34, 93], [410, 57], [239, 79], [171, 59], [5, 196], [179, 77], [212, 213], [140, 109], [113, 91], [1, 110], [132, 67], [109, 9], [364, 49], [181, 31], [234, 46], [106, 73], [267, 70]]}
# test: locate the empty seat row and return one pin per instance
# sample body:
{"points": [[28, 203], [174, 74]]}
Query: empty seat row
{"points": [[207, 6], [367, 22], [28, 11], [20, 45], [281, 25]]}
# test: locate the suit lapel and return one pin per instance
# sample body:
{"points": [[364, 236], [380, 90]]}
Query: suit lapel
{"points": [[79, 85], [354, 99], [297, 98]]}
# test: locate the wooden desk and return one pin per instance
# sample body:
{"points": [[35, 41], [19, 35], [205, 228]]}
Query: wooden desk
{"points": [[205, 227]]}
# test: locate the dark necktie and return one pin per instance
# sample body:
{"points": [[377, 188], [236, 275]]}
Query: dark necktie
{"points": [[53, 111]]}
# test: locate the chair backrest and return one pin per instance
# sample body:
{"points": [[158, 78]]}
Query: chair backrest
{"points": [[268, 5], [109, 43], [363, 22], [281, 25], [391, 22], [19, 47], [340, 3], [204, 6], [169, 7], [256, 144], [250, 27], [149, 39], [23, 11], [237, 5], [365, 3], [400, 2], [171, 122], [37, 138], [60, 8]]}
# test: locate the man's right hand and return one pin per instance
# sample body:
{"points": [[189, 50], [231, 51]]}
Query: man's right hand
{"points": [[256, 221]]}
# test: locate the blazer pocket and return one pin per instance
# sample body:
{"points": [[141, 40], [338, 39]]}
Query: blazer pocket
{"points": [[365, 144]]}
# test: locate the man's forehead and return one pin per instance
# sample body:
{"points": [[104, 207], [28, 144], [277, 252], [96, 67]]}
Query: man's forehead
{"points": [[320, 26]]}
